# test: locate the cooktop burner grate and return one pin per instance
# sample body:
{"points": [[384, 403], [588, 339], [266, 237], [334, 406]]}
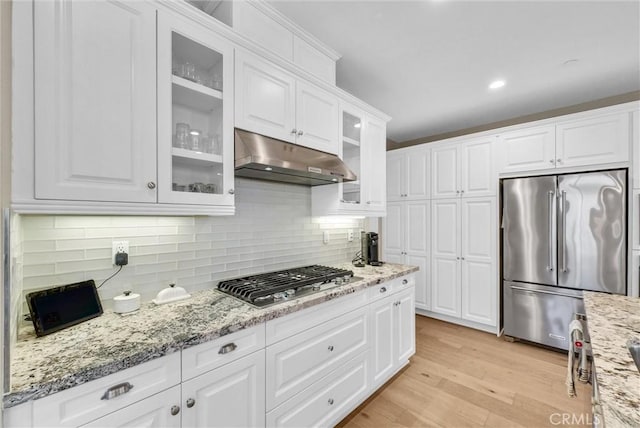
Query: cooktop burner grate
{"points": [[266, 288]]}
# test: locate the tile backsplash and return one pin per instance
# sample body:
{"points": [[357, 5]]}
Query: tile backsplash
{"points": [[272, 229]]}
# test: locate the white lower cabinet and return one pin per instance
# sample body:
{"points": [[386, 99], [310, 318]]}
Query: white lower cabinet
{"points": [[318, 365], [299, 361], [392, 334], [230, 396], [160, 410], [327, 401]]}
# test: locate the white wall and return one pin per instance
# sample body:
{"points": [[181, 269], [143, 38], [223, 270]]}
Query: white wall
{"points": [[272, 230]]}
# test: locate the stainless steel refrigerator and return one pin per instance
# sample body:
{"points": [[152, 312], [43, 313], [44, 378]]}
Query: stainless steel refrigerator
{"points": [[561, 234]]}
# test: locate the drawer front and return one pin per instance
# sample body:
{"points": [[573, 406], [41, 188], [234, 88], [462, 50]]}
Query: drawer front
{"points": [[208, 356], [84, 403], [385, 289], [299, 361], [283, 327], [328, 401]]}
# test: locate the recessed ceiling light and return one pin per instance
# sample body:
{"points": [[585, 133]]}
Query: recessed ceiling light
{"points": [[497, 84]]}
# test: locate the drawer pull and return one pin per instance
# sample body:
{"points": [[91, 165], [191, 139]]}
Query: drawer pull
{"points": [[405, 282], [191, 402], [117, 390], [229, 347], [175, 410], [330, 401], [383, 289], [330, 348]]}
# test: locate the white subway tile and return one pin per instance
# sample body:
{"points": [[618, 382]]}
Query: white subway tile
{"points": [[39, 270]]}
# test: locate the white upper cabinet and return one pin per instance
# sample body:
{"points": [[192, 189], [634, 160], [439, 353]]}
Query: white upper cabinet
{"points": [[265, 98], [408, 174], [316, 118], [445, 175], [363, 146], [463, 169], [195, 115], [527, 149], [477, 172], [600, 140], [271, 102], [95, 85]]}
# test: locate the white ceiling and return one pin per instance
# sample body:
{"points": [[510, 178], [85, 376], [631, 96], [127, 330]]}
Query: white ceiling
{"points": [[428, 63]]}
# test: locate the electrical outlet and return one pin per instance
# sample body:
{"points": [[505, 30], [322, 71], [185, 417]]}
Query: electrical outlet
{"points": [[118, 247], [325, 237], [350, 235]]}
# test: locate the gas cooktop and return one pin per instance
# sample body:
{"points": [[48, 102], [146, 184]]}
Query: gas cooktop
{"points": [[276, 287]]}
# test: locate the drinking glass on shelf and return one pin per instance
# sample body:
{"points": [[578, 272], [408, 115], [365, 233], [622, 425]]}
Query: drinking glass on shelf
{"points": [[195, 139], [210, 188], [216, 81], [207, 143], [182, 135], [217, 145]]}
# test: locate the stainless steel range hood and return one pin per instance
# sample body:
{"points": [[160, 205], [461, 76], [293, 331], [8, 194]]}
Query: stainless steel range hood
{"points": [[264, 158]]}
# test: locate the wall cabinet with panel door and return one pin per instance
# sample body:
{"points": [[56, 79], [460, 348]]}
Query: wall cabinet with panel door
{"points": [[363, 146], [635, 147], [602, 139], [107, 147], [464, 279], [406, 240], [272, 102], [95, 133], [195, 122], [408, 176], [463, 169]]}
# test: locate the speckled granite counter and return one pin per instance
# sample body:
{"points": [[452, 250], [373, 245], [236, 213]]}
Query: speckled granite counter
{"points": [[612, 320], [112, 342]]}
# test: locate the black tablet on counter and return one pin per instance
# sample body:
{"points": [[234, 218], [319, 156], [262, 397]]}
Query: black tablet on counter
{"points": [[60, 307]]}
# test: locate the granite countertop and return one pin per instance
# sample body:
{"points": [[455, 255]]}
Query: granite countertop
{"points": [[41, 366], [612, 320]]}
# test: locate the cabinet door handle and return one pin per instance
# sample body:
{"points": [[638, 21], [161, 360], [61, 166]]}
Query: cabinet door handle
{"points": [[405, 282], [330, 348], [330, 401], [383, 289], [461, 258], [229, 347], [294, 131], [231, 191], [175, 410], [191, 402], [457, 192], [559, 160], [551, 161], [151, 185], [117, 390], [300, 133], [457, 258]]}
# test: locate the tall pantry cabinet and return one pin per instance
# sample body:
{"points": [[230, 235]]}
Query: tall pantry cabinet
{"points": [[405, 229], [442, 217]]}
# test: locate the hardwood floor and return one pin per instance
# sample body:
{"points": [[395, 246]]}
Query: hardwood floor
{"points": [[460, 377]]}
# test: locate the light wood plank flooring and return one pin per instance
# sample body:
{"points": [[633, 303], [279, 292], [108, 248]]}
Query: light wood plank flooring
{"points": [[460, 377]]}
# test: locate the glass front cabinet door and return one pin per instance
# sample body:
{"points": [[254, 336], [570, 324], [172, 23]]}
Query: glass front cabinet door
{"points": [[352, 122], [195, 122]]}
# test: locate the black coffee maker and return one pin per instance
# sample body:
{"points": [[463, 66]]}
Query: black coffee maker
{"points": [[369, 242]]}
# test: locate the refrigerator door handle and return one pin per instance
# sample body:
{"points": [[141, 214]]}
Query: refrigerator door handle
{"points": [[563, 222], [513, 287], [551, 219]]}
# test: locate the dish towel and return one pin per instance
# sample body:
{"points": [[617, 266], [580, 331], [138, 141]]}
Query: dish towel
{"points": [[575, 333]]}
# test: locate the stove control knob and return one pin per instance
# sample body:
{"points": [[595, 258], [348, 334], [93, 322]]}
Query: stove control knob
{"points": [[290, 292], [279, 296]]}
